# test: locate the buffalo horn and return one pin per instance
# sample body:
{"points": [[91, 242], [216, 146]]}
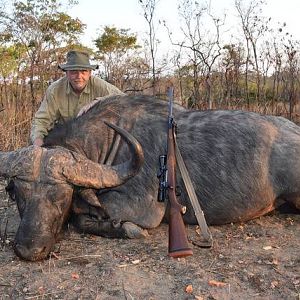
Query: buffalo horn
{"points": [[86, 173], [20, 162]]}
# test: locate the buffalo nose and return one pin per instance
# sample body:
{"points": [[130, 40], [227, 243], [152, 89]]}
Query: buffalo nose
{"points": [[30, 254]]}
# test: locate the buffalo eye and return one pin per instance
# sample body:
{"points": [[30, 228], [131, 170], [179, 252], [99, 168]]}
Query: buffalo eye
{"points": [[14, 194], [10, 189]]}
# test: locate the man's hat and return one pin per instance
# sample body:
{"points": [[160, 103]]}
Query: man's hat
{"points": [[77, 60]]}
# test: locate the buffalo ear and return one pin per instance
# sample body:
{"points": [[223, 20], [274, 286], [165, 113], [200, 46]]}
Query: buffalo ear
{"points": [[89, 196], [86, 202]]}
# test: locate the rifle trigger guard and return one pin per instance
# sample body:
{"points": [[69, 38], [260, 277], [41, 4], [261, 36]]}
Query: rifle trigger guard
{"points": [[178, 190]]}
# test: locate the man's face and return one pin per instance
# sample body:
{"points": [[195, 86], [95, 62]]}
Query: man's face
{"points": [[78, 79]]}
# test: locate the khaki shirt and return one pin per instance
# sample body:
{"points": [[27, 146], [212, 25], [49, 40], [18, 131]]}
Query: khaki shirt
{"points": [[61, 103]]}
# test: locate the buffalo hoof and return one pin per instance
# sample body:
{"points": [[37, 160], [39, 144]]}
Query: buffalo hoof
{"points": [[134, 231]]}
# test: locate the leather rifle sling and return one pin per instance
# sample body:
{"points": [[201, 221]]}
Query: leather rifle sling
{"points": [[206, 237]]}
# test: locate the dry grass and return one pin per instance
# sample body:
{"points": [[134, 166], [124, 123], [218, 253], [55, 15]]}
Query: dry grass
{"points": [[15, 121], [14, 129]]}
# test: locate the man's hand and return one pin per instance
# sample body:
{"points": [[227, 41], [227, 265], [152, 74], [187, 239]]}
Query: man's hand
{"points": [[38, 142]]}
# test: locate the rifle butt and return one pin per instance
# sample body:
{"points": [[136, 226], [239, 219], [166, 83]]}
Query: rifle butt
{"points": [[178, 242]]}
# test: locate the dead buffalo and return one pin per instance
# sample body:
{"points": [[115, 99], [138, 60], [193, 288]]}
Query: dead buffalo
{"points": [[240, 164]]}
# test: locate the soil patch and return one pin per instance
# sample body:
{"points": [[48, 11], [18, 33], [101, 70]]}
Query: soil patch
{"points": [[256, 260]]}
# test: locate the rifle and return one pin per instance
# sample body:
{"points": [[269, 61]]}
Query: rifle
{"points": [[178, 242]]}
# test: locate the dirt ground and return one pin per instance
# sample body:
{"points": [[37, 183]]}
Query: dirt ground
{"points": [[256, 260]]}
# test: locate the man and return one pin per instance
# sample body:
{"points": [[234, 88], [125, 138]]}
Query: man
{"points": [[65, 97]]}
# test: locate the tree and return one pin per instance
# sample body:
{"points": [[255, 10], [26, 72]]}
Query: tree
{"points": [[253, 25], [40, 27], [202, 46], [114, 46], [149, 7], [292, 73], [232, 63]]}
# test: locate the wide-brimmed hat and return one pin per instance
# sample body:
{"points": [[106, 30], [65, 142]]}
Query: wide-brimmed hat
{"points": [[77, 60]]}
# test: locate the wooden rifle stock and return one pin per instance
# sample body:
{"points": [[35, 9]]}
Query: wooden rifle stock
{"points": [[178, 242]]}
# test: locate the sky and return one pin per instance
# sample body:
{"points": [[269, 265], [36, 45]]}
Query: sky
{"points": [[128, 14]]}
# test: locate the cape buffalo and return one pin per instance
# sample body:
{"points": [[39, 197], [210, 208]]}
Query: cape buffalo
{"points": [[239, 162]]}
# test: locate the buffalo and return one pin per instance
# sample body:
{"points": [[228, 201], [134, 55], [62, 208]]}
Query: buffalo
{"points": [[240, 163]]}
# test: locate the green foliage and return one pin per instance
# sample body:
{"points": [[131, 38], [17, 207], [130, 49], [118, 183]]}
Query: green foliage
{"points": [[9, 59], [60, 23], [41, 31], [41, 21], [39, 26], [114, 46], [115, 40]]}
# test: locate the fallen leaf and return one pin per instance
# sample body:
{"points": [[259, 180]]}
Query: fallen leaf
{"points": [[216, 283], [75, 275], [189, 289], [273, 262], [41, 290], [267, 247], [135, 262], [199, 298], [122, 266]]}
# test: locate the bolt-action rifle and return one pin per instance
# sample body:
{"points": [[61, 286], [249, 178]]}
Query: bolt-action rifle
{"points": [[178, 242]]}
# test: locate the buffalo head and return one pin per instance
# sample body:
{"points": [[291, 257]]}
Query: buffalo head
{"points": [[42, 182]]}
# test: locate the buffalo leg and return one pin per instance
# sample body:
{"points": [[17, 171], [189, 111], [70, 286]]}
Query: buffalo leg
{"points": [[103, 227], [95, 220], [108, 228]]}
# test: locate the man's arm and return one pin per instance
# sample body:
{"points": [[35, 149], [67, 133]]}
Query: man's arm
{"points": [[44, 119]]}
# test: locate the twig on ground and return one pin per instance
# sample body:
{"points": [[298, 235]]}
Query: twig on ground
{"points": [[79, 256], [3, 237], [123, 287], [124, 291], [43, 295]]}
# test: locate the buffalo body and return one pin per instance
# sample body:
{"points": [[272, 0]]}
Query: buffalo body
{"points": [[240, 163]]}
